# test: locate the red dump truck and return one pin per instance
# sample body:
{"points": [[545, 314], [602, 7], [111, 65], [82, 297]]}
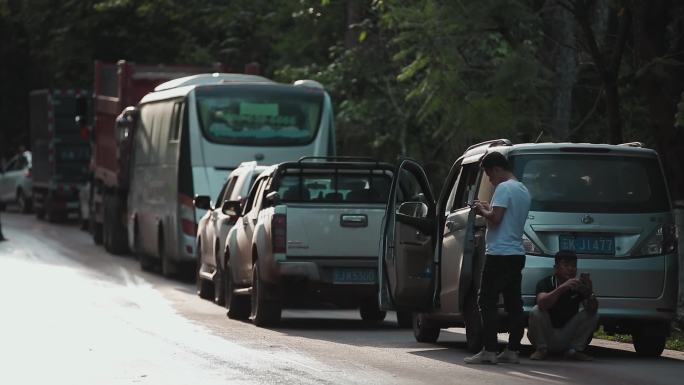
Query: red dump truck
{"points": [[117, 86]]}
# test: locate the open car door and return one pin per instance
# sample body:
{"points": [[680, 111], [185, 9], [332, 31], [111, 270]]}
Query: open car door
{"points": [[407, 253]]}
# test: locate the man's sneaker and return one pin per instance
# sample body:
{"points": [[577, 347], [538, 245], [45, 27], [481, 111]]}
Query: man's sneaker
{"points": [[539, 354], [508, 357], [483, 357], [573, 354]]}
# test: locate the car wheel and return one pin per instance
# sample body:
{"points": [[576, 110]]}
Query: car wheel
{"points": [[146, 263], [168, 267], [106, 225], [404, 319], [84, 224], [219, 292], [422, 330], [265, 310], [370, 310], [238, 306], [51, 214], [96, 231], [204, 288], [648, 345], [23, 202], [473, 323]]}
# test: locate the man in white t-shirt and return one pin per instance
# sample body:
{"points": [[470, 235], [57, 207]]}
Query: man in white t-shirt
{"points": [[504, 260]]}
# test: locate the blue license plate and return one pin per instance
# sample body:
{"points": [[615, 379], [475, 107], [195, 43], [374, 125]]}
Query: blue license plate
{"points": [[350, 275], [587, 244]]}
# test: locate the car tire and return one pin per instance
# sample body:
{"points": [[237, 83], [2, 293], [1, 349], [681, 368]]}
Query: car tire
{"points": [[118, 238], [51, 214], [264, 310], [96, 231], [23, 202], [238, 306], [473, 323], [204, 289], [370, 310], [404, 320], [146, 263], [422, 330], [169, 268], [219, 291], [85, 224], [648, 345], [106, 225]]}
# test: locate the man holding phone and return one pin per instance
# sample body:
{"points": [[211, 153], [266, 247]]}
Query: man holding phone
{"points": [[556, 323], [504, 260]]}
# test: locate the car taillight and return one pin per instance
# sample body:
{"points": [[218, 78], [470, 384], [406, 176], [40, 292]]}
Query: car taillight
{"points": [[279, 233], [530, 247], [189, 227], [187, 215], [662, 241]]}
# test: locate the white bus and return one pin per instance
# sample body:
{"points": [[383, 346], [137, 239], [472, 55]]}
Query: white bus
{"points": [[190, 132]]}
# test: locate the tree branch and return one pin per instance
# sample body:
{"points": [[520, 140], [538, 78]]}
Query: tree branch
{"points": [[621, 41], [587, 116]]}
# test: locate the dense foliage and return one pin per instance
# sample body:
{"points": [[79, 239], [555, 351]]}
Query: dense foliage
{"points": [[421, 78]]}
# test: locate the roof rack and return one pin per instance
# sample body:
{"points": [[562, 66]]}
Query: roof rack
{"points": [[340, 158], [632, 144], [491, 143], [308, 83]]}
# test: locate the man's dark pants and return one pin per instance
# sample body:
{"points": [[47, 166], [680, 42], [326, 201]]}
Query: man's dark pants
{"points": [[502, 274]]}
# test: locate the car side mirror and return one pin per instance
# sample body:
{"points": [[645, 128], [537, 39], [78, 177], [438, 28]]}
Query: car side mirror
{"points": [[202, 202], [413, 209], [273, 197], [232, 208]]}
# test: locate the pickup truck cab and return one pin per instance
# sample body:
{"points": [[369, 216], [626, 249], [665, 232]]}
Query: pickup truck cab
{"points": [[308, 233]]}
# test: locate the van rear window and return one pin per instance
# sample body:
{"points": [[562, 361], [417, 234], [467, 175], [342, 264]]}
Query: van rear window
{"points": [[340, 188], [592, 183]]}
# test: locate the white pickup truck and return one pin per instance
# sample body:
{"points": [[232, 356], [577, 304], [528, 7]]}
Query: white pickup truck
{"points": [[308, 233]]}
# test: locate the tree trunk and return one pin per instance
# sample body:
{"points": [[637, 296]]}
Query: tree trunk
{"points": [[562, 58], [612, 98], [660, 86], [351, 35], [607, 61]]}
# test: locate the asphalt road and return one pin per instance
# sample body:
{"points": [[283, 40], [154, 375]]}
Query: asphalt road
{"points": [[73, 314]]}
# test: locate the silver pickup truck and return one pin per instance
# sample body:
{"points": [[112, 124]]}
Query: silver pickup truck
{"points": [[308, 233]]}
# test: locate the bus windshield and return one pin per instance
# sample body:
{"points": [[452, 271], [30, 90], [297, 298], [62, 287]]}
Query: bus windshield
{"points": [[259, 114]]}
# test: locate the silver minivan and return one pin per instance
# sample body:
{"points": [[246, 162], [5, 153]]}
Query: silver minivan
{"points": [[608, 203]]}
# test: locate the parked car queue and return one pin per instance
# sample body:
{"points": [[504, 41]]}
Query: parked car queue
{"points": [[608, 203]]}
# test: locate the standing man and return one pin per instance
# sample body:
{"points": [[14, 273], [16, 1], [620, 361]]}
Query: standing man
{"points": [[556, 323], [504, 259]]}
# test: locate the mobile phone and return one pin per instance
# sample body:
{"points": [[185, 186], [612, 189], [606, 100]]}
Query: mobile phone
{"points": [[584, 277]]}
